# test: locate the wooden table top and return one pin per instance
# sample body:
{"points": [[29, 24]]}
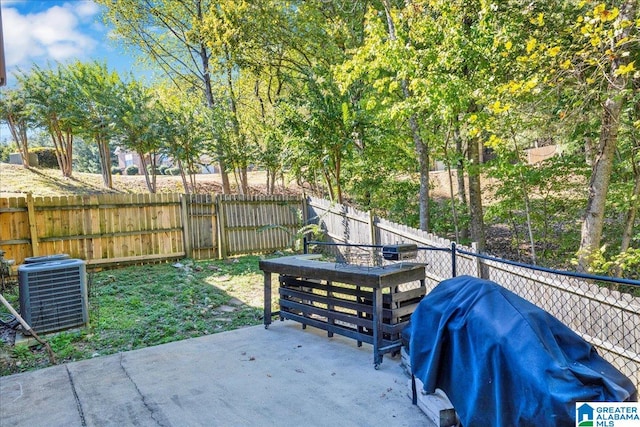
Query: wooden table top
{"points": [[308, 266]]}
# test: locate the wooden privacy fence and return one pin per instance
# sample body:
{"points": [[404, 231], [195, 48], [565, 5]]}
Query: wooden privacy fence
{"points": [[251, 224], [608, 319], [125, 228]]}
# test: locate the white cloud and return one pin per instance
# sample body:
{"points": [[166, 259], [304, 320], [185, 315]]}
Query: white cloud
{"points": [[55, 34], [87, 9], [63, 50]]}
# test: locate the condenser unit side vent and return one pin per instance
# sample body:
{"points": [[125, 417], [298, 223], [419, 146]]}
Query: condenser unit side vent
{"points": [[53, 295]]}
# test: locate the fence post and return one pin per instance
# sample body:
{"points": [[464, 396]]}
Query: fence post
{"points": [[373, 237], [222, 249], [31, 212], [474, 247], [186, 230], [304, 207], [481, 272], [372, 229], [453, 260]]}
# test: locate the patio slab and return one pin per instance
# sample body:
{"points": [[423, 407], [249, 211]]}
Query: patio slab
{"points": [[246, 377]]}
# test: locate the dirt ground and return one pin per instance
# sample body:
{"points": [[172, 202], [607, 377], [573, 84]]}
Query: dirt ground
{"points": [[14, 180]]}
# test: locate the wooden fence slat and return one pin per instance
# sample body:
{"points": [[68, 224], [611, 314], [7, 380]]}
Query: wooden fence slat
{"points": [[241, 219], [14, 228], [32, 226], [185, 204]]}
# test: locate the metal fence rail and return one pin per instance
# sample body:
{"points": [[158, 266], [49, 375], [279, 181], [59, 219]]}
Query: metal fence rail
{"points": [[605, 317], [603, 310]]}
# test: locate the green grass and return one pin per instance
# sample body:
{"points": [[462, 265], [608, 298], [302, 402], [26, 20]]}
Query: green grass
{"points": [[142, 306]]}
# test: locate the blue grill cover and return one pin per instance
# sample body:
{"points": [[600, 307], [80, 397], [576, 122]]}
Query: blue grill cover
{"points": [[503, 361]]}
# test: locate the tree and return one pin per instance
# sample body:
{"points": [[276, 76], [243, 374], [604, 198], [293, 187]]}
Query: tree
{"points": [[183, 124], [450, 75], [51, 95], [169, 35], [582, 56], [138, 126], [320, 138], [634, 196], [99, 91], [421, 146], [86, 157], [378, 76], [14, 111], [615, 29], [247, 52]]}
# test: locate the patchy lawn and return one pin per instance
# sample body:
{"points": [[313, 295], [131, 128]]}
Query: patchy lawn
{"points": [[142, 306]]}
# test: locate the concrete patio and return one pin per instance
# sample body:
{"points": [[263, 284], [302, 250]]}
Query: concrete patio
{"points": [[247, 377]]}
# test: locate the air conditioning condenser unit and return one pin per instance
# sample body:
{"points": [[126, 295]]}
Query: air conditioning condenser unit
{"points": [[53, 295]]}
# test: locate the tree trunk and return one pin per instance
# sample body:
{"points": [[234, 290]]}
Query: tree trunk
{"points": [[338, 173], [475, 197], [206, 76], [63, 144], [525, 196], [192, 176], [454, 211], [268, 176], [593, 220], [422, 148], [57, 145], [630, 218], [244, 181], [105, 161], [151, 183], [235, 126], [331, 190], [18, 131], [68, 153], [183, 177], [462, 187]]}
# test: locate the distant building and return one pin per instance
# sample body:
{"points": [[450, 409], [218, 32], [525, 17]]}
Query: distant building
{"points": [[128, 158]]}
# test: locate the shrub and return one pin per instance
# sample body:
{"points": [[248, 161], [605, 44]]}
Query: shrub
{"points": [[150, 170], [116, 171], [163, 169], [173, 171], [398, 201], [132, 170], [46, 157], [5, 150]]}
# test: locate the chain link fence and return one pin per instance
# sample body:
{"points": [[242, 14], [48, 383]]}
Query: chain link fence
{"points": [[605, 311]]}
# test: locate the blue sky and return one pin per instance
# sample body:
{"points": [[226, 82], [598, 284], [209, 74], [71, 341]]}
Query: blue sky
{"points": [[42, 32]]}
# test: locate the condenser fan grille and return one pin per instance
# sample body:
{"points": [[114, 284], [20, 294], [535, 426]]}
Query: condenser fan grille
{"points": [[53, 295]]}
